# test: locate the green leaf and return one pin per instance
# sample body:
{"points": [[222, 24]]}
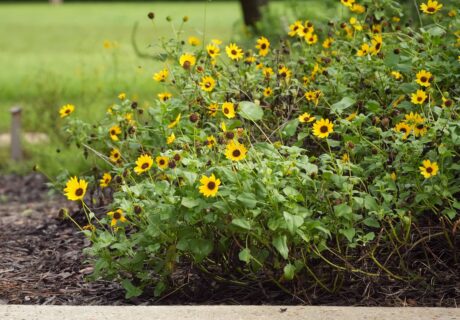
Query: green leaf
{"points": [[280, 243], [131, 290], [242, 223], [348, 233], [293, 222], [289, 271], [248, 199], [343, 210], [245, 255], [190, 202], [371, 222], [291, 127], [343, 104], [201, 248], [370, 203], [250, 111]]}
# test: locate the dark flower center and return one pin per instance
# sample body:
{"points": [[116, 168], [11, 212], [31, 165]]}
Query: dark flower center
{"points": [[403, 130], [79, 192], [263, 46], [112, 132], [117, 215], [324, 129], [419, 98], [378, 45], [67, 111], [431, 9], [162, 162], [211, 51], [234, 52], [145, 165], [420, 126], [211, 185], [283, 74], [429, 169], [207, 84], [236, 153], [226, 111], [116, 155], [423, 79], [186, 64]]}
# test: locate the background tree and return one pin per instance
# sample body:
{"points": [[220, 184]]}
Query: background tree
{"points": [[252, 10]]}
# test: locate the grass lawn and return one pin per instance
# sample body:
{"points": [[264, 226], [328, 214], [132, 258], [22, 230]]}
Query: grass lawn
{"points": [[52, 55]]}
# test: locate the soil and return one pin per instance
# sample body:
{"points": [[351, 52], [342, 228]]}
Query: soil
{"points": [[41, 262]]}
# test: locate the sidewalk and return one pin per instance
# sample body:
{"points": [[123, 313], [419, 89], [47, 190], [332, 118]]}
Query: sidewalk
{"points": [[14, 312]]}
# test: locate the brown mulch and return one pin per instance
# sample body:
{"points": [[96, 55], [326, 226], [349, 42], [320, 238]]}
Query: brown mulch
{"points": [[41, 262]]}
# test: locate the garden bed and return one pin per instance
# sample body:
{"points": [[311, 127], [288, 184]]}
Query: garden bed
{"points": [[42, 263]]}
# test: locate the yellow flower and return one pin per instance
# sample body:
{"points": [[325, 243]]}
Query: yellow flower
{"points": [[268, 92], [207, 84], [377, 42], [420, 129], [114, 131], [313, 96], [328, 42], [161, 75], [250, 59], [162, 162], [107, 44], [311, 38], [175, 122], [223, 126], [171, 138], [294, 28], [357, 8], [393, 176], [267, 71], [193, 41], [122, 96], [228, 109], [429, 169], [284, 72], [117, 216], [235, 151], [263, 45], [217, 42], [115, 155], [164, 96], [322, 128], [351, 117], [348, 3], [209, 186], [447, 102], [66, 110], [212, 109], [143, 164], [211, 141], [396, 74], [75, 189], [306, 117], [187, 60], [365, 49], [452, 13], [355, 23], [419, 97], [423, 78], [430, 7], [234, 52], [404, 128], [345, 158], [213, 50], [413, 118], [105, 180], [305, 29], [377, 28]]}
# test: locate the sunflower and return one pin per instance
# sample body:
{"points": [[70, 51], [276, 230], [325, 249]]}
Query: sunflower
{"points": [[429, 169], [250, 60], [268, 92], [284, 72], [122, 96], [396, 74], [105, 180], [311, 38], [328, 43], [235, 151], [171, 138], [420, 129], [345, 158], [115, 155], [267, 71], [207, 83], [211, 141], [114, 131], [161, 75], [234, 52], [162, 162], [413, 118], [187, 60], [143, 163], [357, 8], [117, 216], [164, 96], [447, 102], [430, 7], [263, 45], [228, 109], [403, 128], [209, 186], [364, 50], [294, 28], [313, 96], [175, 122], [193, 41], [377, 43], [75, 189], [212, 109], [348, 3], [418, 97], [306, 29], [66, 110], [376, 28], [213, 50], [322, 128], [306, 117], [423, 78]]}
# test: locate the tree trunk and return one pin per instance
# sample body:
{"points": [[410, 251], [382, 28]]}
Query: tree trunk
{"points": [[251, 10], [56, 1]]}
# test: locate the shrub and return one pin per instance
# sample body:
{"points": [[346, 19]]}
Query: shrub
{"points": [[329, 151]]}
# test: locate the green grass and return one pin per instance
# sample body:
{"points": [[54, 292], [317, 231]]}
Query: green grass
{"points": [[52, 55]]}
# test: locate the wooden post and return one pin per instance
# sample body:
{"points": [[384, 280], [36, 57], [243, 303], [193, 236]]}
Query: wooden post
{"points": [[16, 150]]}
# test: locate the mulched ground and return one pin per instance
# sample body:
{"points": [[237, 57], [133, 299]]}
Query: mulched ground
{"points": [[41, 262]]}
